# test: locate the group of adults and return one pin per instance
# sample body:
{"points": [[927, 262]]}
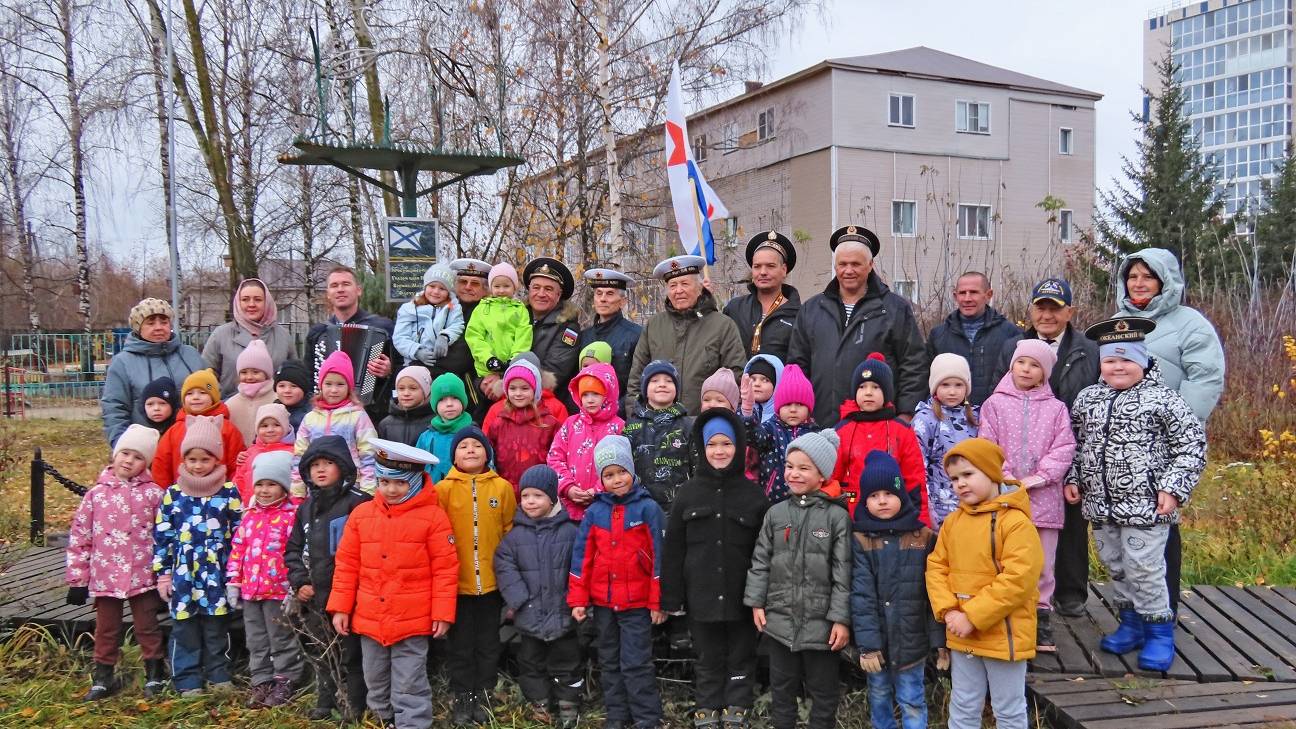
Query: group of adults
{"points": [[827, 335]]}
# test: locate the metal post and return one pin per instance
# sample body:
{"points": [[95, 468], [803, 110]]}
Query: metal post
{"points": [[409, 191], [8, 386], [37, 500]]}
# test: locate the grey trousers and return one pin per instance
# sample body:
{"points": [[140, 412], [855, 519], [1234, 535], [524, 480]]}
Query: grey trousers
{"points": [[272, 644], [398, 682], [971, 676], [1135, 559]]}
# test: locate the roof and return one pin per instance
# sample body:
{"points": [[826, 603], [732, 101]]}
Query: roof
{"points": [[929, 62]]}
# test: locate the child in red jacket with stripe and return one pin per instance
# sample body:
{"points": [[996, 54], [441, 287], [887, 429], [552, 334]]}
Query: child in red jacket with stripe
{"points": [[395, 581], [868, 423], [616, 568]]}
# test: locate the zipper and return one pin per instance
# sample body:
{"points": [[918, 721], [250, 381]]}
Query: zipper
{"points": [[1111, 407], [476, 548], [994, 557]]}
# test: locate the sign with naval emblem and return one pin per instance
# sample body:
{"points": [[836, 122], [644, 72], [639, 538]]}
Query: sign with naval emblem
{"points": [[412, 246]]}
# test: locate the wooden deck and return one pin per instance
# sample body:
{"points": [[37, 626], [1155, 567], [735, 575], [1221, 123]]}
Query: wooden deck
{"points": [[1152, 703]]}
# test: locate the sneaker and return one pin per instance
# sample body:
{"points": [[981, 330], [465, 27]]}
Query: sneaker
{"points": [[538, 713], [734, 717], [257, 696], [481, 713], [461, 711], [1044, 632], [568, 714], [706, 719], [191, 693], [280, 692]]}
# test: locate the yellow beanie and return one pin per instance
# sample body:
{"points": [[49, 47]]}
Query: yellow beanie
{"points": [[984, 455], [204, 380]]}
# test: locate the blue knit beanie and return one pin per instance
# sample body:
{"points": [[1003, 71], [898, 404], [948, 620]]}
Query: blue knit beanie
{"points": [[875, 369]]}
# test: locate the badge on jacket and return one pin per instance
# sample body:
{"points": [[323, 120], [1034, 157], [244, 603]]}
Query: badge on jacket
{"points": [[494, 503], [569, 337], [819, 534]]}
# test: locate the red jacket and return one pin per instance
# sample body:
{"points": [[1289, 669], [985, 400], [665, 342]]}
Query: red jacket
{"points": [[859, 438], [616, 562], [396, 570], [243, 474], [548, 402], [521, 440], [167, 459]]}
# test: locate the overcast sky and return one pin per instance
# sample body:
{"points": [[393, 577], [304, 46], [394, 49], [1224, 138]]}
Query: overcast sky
{"points": [[1096, 45]]}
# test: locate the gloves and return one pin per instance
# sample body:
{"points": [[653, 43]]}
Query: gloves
{"points": [[232, 596], [871, 662], [745, 396], [441, 346], [164, 587], [942, 659], [426, 354], [291, 607], [78, 595], [495, 364]]}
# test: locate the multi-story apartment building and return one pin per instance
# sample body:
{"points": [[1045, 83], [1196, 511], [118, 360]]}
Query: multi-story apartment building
{"points": [[1235, 64]]}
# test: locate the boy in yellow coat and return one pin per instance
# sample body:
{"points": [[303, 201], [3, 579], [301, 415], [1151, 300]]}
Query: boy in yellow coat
{"points": [[982, 580]]}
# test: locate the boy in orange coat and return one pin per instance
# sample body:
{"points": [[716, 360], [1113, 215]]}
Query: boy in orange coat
{"points": [[395, 583], [200, 395]]}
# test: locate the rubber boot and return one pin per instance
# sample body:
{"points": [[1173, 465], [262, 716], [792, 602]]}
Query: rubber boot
{"points": [[156, 676], [102, 683], [1128, 637], [1158, 646]]}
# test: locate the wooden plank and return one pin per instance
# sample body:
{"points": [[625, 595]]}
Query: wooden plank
{"points": [[1275, 601], [1263, 696], [1256, 618], [1265, 665], [1135, 691], [1179, 667], [1045, 663], [1205, 665], [1104, 620], [1071, 656], [1265, 716], [32, 593], [1204, 632], [1287, 592], [40, 563], [1070, 685]]}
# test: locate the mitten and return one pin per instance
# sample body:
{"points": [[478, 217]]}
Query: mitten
{"points": [[871, 662], [78, 595], [232, 596], [942, 659], [426, 354], [441, 346]]}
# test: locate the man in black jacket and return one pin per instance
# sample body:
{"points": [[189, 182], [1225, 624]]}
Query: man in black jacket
{"points": [[975, 332], [555, 321], [766, 315], [610, 324], [856, 315], [1076, 369], [343, 292]]}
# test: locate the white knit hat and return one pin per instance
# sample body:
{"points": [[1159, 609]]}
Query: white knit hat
{"points": [[945, 366], [139, 438], [440, 273]]}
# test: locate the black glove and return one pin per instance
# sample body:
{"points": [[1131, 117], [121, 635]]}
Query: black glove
{"points": [[494, 364], [78, 595]]}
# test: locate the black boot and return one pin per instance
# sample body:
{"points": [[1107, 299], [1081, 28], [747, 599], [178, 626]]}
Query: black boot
{"points": [[155, 677], [1044, 632], [102, 683], [461, 711], [481, 713]]}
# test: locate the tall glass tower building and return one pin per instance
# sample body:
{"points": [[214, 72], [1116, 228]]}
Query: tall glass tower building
{"points": [[1235, 61]]}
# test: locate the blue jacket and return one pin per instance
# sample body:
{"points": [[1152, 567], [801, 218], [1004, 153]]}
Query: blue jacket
{"points": [[936, 438], [889, 607], [617, 560], [996, 335], [765, 410], [138, 363], [622, 335], [531, 567], [1186, 346], [770, 439]]}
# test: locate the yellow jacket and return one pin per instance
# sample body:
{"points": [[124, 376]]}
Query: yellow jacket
{"points": [[987, 563], [481, 509]]}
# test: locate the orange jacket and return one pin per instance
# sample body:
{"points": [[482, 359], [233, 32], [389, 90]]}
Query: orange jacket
{"points": [[396, 570], [167, 459]]}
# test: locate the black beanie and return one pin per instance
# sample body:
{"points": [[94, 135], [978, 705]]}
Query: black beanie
{"points": [[295, 372], [542, 478], [163, 387], [764, 367]]}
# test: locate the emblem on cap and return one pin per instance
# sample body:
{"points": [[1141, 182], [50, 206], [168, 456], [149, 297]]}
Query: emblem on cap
{"points": [[867, 374], [850, 230], [772, 236], [471, 267], [1050, 287], [1122, 326], [382, 453], [598, 275], [544, 268], [674, 265]]}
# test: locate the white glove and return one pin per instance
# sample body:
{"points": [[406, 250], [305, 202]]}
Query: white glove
{"points": [[232, 596]]}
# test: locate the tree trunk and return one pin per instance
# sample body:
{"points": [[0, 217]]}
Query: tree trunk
{"points": [[373, 93], [10, 144], [615, 247], [157, 53], [307, 214], [75, 142]]}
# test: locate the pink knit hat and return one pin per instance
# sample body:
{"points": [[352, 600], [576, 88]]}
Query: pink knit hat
{"points": [[525, 371], [1037, 350], [278, 413], [793, 387], [419, 375], [256, 357], [203, 432], [507, 271], [338, 363], [723, 382]]}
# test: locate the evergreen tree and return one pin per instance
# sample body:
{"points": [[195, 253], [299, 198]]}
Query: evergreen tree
{"points": [[1275, 228], [1171, 201]]}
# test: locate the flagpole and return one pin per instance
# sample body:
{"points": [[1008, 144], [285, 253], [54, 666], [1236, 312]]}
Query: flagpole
{"points": [[697, 218]]}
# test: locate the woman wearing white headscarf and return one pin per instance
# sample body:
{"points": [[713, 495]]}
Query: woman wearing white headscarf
{"points": [[255, 317]]}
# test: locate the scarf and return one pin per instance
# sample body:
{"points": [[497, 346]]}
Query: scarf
{"points": [[201, 487], [888, 412], [905, 520], [321, 405], [441, 425], [268, 316], [1141, 304], [253, 390]]}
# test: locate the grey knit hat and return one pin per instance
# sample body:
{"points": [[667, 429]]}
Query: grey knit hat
{"points": [[273, 466], [821, 447], [614, 450]]}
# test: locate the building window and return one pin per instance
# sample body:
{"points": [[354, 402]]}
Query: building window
{"points": [[908, 288], [765, 125], [1065, 218], [972, 117], [731, 227], [1065, 139], [974, 221], [902, 217], [901, 112], [700, 148]]}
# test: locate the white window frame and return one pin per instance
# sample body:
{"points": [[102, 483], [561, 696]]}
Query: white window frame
{"points": [[913, 110], [1066, 140], [964, 105], [765, 125], [899, 286], [731, 227], [989, 222], [700, 147], [1066, 225], [895, 232]]}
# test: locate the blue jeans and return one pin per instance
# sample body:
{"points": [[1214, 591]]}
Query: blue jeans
{"points": [[626, 666], [891, 686], [199, 650]]}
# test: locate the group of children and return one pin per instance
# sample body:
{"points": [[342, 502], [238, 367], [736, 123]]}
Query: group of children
{"points": [[349, 550]]}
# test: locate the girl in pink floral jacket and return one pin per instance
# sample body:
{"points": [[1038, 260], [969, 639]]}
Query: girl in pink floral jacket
{"points": [[110, 558], [596, 393], [256, 577]]}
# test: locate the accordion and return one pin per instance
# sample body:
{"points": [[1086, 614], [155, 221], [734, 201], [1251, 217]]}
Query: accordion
{"points": [[362, 344]]}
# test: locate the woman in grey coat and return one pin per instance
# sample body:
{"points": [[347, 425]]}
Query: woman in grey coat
{"points": [[255, 317], [151, 351]]}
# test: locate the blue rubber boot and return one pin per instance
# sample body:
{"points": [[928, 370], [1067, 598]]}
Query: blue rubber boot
{"points": [[1128, 637], [1158, 646]]}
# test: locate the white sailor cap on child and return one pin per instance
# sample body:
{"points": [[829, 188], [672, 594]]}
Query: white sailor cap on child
{"points": [[397, 456], [473, 267], [606, 278], [679, 266]]}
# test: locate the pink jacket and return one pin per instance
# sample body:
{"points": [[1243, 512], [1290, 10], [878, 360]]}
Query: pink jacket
{"points": [[256, 561], [110, 547], [572, 453], [1034, 430]]}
